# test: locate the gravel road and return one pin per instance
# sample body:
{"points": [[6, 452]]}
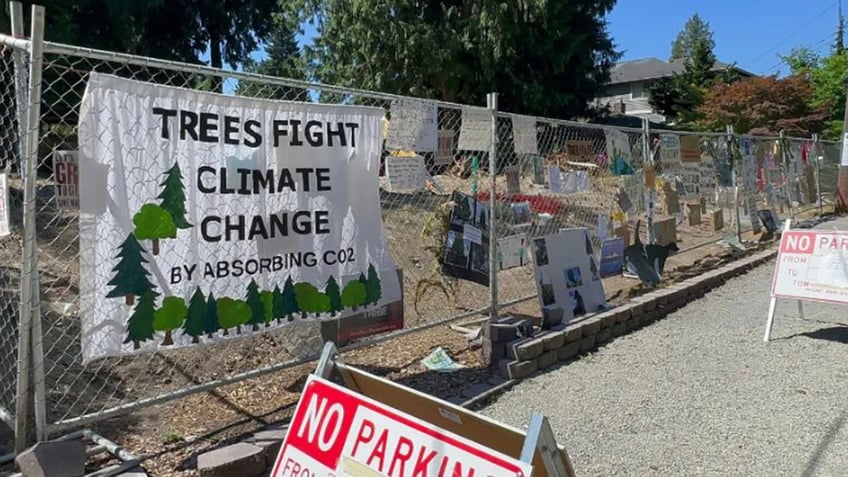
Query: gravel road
{"points": [[699, 393]]}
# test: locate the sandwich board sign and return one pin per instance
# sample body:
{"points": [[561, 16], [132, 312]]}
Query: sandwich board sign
{"points": [[812, 265], [338, 432]]}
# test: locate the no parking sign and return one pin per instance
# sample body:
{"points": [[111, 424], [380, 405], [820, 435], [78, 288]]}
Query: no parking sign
{"points": [[337, 432]]}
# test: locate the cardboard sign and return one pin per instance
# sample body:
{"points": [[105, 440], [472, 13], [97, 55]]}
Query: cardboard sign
{"points": [[338, 432], [580, 151], [811, 266], [694, 214], [665, 231], [66, 176], [718, 219], [447, 143], [672, 202], [690, 149]]}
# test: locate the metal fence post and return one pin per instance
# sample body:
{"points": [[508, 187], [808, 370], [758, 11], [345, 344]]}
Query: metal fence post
{"points": [[649, 191], [492, 104], [29, 272], [784, 166], [818, 160], [734, 150]]}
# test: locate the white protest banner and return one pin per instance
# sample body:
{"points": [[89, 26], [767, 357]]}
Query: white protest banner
{"points": [[413, 126], [338, 432], [812, 265], [524, 134], [406, 173], [475, 132], [176, 249], [444, 154], [5, 228], [66, 175]]}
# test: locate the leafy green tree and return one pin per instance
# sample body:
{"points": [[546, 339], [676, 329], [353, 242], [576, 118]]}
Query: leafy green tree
{"points": [[268, 306], [211, 325], [140, 323], [828, 82], [373, 288], [257, 308], [169, 317], [173, 196], [801, 60], [289, 299], [131, 277], [354, 294], [309, 299], [696, 31], [334, 296], [546, 58], [195, 322], [153, 222], [232, 313]]}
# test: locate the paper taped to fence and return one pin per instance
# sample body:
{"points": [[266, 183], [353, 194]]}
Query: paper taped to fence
{"points": [[475, 133], [413, 126], [812, 265], [205, 217], [524, 134]]}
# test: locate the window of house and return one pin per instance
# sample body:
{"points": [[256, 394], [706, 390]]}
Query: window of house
{"points": [[637, 90]]}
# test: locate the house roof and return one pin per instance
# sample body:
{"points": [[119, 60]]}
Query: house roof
{"points": [[651, 68]]}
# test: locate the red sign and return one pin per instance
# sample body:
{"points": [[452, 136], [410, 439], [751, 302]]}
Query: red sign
{"points": [[812, 265], [336, 432]]}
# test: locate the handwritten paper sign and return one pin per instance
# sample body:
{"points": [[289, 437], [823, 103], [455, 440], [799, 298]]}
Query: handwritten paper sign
{"points": [[575, 181], [524, 134], [475, 134], [413, 126], [690, 177], [513, 252], [670, 153], [406, 173], [447, 143], [708, 177], [580, 151], [665, 231]]}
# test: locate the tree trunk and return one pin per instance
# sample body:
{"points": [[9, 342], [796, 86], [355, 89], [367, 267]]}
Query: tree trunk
{"points": [[155, 246], [238, 329], [209, 335], [129, 299], [168, 341], [267, 324], [136, 345], [303, 315], [226, 332], [195, 339], [255, 327]]}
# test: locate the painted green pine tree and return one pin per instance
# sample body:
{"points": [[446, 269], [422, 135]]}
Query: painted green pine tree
{"points": [[195, 322], [334, 295], [210, 319], [140, 323], [173, 196], [372, 286], [131, 278], [279, 304], [254, 301], [290, 299]]}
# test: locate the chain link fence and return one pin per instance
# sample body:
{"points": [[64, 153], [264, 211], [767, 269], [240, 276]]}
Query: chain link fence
{"points": [[582, 175]]}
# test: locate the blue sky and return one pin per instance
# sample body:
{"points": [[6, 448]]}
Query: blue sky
{"points": [[748, 32]]}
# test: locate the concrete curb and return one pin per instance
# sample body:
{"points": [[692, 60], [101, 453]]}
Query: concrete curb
{"points": [[639, 312]]}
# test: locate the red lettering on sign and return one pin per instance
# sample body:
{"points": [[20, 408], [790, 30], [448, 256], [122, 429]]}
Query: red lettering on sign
{"points": [[833, 242], [324, 421], [797, 242]]}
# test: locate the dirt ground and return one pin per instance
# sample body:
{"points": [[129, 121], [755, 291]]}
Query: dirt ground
{"points": [[171, 435]]}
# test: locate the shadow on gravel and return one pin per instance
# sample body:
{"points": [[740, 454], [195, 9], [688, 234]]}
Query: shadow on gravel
{"points": [[838, 334], [824, 444]]}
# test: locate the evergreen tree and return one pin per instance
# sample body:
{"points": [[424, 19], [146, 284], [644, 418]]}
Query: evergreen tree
{"points": [[268, 306], [140, 323], [173, 196], [279, 304], [372, 286], [290, 299], [257, 308], [334, 294], [696, 30], [195, 323], [211, 325], [131, 278]]}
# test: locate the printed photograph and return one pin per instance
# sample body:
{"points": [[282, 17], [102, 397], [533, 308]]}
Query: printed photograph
{"points": [[547, 287], [593, 269], [457, 250], [521, 213], [577, 304], [590, 251], [479, 259], [541, 252], [572, 277], [463, 210], [481, 219]]}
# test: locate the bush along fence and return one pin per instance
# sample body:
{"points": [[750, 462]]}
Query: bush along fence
{"points": [[448, 172]]}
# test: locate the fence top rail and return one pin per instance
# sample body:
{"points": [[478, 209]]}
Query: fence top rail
{"points": [[15, 42], [125, 58], [568, 123]]}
